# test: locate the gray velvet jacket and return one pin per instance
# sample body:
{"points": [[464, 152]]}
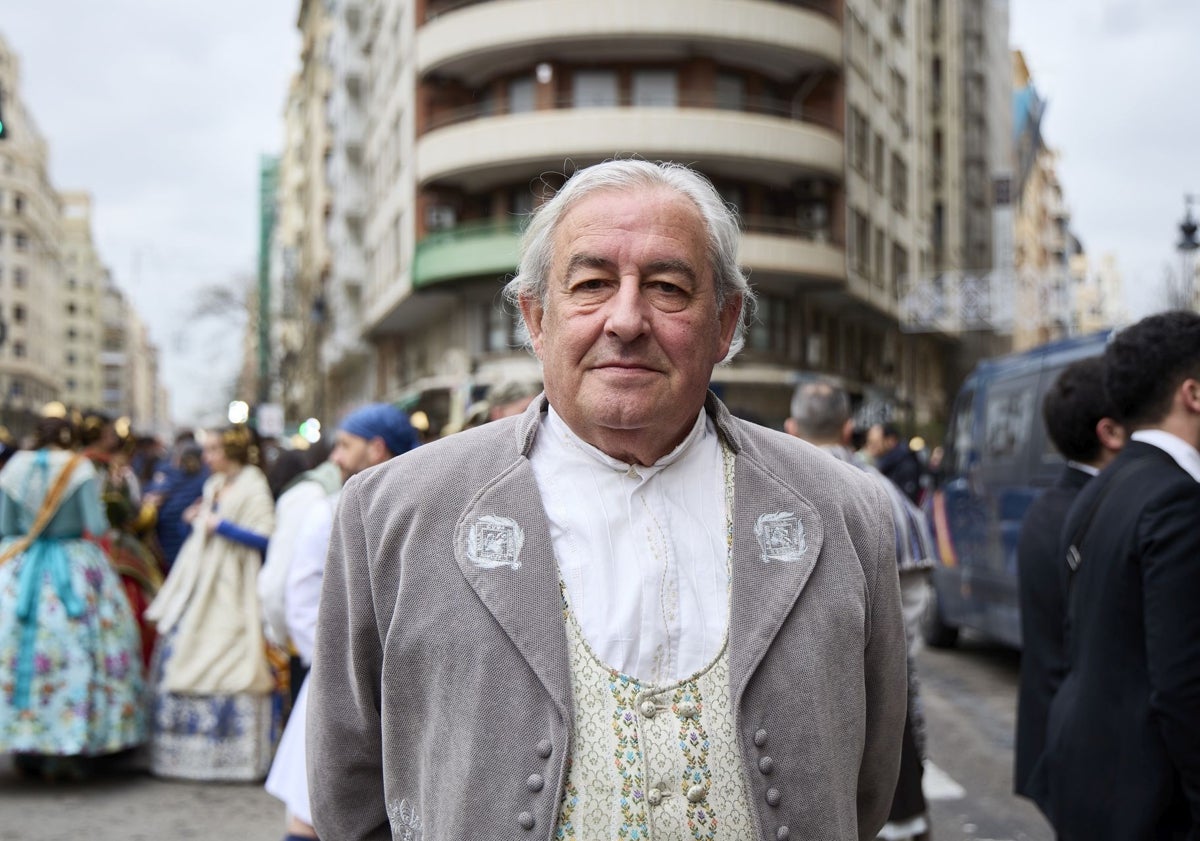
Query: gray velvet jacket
{"points": [[440, 696]]}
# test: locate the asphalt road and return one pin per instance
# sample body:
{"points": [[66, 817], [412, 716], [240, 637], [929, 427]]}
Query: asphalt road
{"points": [[969, 695]]}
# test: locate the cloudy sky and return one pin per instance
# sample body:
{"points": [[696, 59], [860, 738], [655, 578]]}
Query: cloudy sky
{"points": [[161, 110]]}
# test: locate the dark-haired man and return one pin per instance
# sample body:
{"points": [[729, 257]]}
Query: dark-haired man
{"points": [[1079, 422], [1122, 756]]}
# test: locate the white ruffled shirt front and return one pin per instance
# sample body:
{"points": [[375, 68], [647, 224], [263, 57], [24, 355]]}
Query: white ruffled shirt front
{"points": [[642, 551]]}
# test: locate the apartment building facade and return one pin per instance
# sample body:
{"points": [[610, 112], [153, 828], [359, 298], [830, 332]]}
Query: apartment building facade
{"points": [[857, 138]]}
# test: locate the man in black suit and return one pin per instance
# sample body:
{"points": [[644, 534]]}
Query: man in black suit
{"points": [[1078, 416], [1122, 757]]}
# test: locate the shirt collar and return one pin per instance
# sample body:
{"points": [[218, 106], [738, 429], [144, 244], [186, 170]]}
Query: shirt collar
{"points": [[1185, 455], [563, 436], [1083, 468]]}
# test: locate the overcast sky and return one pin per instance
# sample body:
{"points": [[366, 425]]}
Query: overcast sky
{"points": [[161, 110]]}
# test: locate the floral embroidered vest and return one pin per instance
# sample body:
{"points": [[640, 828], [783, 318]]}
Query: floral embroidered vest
{"points": [[652, 763]]}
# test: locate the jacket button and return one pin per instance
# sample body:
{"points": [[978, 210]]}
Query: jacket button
{"points": [[766, 765], [545, 748], [782, 833], [535, 782], [525, 819], [687, 709], [696, 793], [654, 796], [773, 797], [760, 738], [648, 709]]}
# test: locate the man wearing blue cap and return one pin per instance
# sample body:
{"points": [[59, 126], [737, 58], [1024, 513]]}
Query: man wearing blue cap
{"points": [[368, 436]]}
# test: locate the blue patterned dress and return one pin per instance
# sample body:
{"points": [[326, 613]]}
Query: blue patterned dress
{"points": [[70, 670]]}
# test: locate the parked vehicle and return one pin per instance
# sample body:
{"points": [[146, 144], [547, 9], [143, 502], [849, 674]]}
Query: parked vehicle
{"points": [[997, 459]]}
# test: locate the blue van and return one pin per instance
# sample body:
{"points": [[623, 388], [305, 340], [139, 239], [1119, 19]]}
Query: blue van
{"points": [[996, 459]]}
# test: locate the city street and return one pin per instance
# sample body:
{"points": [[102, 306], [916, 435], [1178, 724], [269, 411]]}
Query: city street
{"points": [[969, 699]]}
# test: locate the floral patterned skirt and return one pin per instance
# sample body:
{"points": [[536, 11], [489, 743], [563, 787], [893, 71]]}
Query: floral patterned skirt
{"points": [[70, 667], [209, 737]]}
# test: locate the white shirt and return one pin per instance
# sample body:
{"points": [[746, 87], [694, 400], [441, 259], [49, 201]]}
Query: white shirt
{"points": [[642, 551], [306, 573], [1185, 455]]}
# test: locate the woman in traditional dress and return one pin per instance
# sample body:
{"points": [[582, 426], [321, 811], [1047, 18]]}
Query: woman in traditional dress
{"points": [[71, 684], [214, 710]]}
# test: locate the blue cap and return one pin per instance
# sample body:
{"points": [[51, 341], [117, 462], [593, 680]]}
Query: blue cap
{"points": [[382, 420]]}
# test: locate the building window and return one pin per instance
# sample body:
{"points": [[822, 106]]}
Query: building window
{"points": [[20, 241], [859, 245], [505, 330], [19, 277], [71, 308], [900, 269], [655, 89], [520, 95], [18, 204], [899, 184], [879, 264], [878, 164], [19, 313], [595, 89], [768, 333], [860, 141], [70, 358], [19, 350], [731, 91]]}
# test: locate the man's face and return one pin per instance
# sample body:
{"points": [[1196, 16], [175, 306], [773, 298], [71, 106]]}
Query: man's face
{"points": [[875, 441], [353, 453], [630, 330]]}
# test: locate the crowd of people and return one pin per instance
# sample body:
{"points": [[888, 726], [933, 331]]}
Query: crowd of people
{"points": [[611, 605]]}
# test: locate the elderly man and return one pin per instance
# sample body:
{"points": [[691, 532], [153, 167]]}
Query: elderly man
{"points": [[623, 613]]}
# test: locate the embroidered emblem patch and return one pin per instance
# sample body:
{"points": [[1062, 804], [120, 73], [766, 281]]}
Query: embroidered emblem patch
{"points": [[406, 823], [495, 542], [781, 536]]}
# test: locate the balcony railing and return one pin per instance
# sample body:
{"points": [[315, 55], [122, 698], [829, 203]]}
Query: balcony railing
{"points": [[437, 8], [472, 249], [766, 106]]}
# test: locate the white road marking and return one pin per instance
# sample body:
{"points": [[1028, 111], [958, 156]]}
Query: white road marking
{"points": [[938, 785]]}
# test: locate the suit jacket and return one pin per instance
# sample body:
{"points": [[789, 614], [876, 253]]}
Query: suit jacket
{"points": [[1042, 591], [1122, 756], [440, 700]]}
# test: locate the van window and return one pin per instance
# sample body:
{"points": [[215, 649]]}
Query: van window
{"points": [[1009, 419], [960, 441]]}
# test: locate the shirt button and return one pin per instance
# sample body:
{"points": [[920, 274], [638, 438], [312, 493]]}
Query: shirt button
{"points": [[687, 709], [535, 782], [525, 819], [773, 797], [766, 765], [648, 709], [654, 797], [696, 793], [545, 748], [782, 833], [760, 738]]}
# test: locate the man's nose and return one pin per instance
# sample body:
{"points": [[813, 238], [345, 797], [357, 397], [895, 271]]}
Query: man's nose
{"points": [[627, 311]]}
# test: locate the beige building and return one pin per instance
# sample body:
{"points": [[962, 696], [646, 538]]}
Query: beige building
{"points": [[866, 143], [1099, 295], [129, 365], [83, 286], [31, 264]]}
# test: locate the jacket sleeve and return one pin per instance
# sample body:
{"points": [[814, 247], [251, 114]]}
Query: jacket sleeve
{"points": [[345, 749], [1170, 549], [886, 672]]}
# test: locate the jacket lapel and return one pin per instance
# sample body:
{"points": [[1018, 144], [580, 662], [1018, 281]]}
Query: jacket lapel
{"points": [[777, 536], [502, 544]]}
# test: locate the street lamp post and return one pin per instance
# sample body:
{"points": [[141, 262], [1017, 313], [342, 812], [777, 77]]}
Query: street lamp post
{"points": [[1187, 250]]}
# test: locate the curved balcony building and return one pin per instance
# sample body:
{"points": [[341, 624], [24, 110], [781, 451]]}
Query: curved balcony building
{"points": [[479, 109]]}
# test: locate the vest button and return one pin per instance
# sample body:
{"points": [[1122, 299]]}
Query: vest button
{"points": [[782, 833], [545, 748], [654, 796], [766, 765], [760, 738], [696, 793], [535, 782], [525, 819], [687, 709], [648, 709], [773, 797]]}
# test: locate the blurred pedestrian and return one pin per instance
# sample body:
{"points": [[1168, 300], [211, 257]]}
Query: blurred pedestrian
{"points": [[1122, 757], [367, 437], [1078, 416], [624, 607], [214, 707], [895, 459], [177, 484], [71, 686], [820, 414]]}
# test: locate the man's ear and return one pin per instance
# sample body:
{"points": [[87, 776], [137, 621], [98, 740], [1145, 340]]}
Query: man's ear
{"points": [[532, 312], [1112, 435], [790, 427], [1189, 393]]}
